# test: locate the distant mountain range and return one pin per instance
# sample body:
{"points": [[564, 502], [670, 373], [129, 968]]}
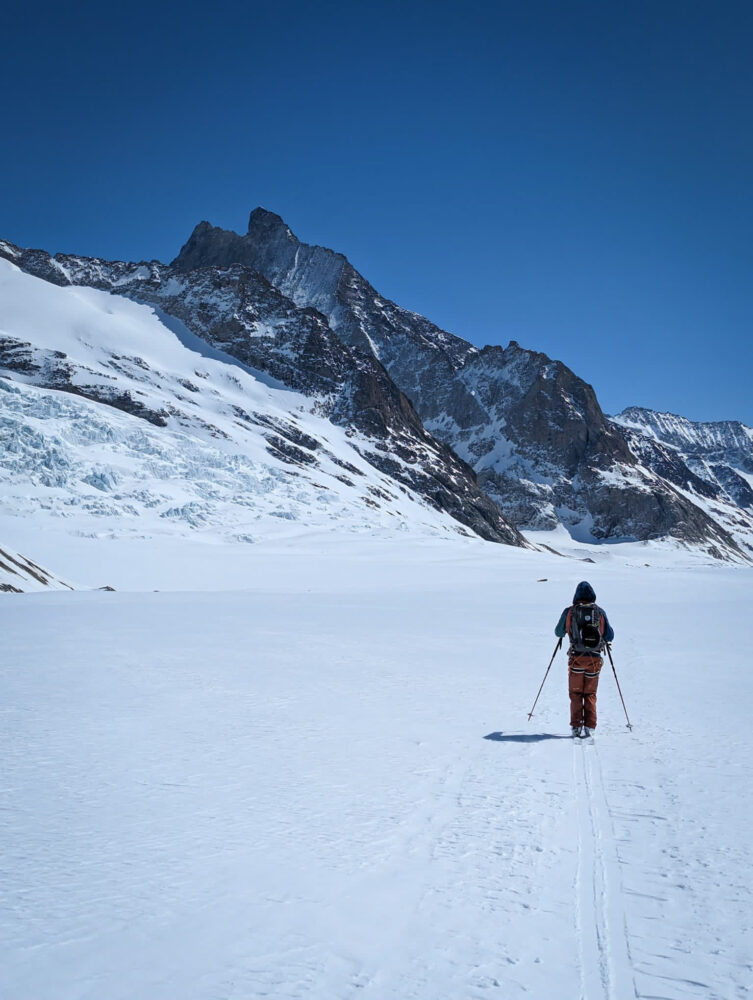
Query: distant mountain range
{"points": [[500, 439]]}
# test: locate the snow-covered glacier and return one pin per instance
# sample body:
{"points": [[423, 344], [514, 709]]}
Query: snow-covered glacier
{"points": [[112, 427]]}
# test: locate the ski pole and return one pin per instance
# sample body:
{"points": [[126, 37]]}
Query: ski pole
{"points": [[556, 650], [609, 653]]}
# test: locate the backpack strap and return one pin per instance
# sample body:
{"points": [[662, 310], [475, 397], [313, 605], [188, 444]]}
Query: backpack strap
{"points": [[598, 613]]}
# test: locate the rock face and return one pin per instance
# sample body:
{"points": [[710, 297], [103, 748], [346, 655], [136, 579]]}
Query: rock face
{"points": [[531, 429], [237, 310]]}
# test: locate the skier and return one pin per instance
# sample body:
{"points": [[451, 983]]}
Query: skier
{"points": [[588, 629]]}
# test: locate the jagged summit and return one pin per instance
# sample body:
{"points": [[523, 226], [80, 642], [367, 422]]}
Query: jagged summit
{"points": [[262, 218], [268, 239]]}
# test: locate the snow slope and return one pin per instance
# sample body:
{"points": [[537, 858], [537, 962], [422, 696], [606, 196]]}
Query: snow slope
{"points": [[141, 431], [238, 313], [325, 786]]}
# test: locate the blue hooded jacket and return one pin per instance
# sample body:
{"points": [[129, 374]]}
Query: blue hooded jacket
{"points": [[584, 594]]}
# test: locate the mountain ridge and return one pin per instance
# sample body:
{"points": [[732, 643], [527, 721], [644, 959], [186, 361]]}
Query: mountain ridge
{"points": [[713, 459], [533, 432], [505, 423]]}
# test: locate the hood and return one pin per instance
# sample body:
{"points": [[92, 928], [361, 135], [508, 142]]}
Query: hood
{"points": [[584, 593]]}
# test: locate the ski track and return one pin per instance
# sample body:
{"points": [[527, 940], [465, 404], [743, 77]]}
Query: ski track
{"points": [[605, 962]]}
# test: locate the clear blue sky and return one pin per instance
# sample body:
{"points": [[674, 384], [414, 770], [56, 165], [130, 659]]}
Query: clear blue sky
{"points": [[575, 176]]}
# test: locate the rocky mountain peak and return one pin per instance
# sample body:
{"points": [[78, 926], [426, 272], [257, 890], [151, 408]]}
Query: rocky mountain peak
{"points": [[207, 246], [309, 275], [261, 219]]}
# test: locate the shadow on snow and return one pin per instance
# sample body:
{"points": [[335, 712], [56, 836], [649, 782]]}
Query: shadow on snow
{"points": [[525, 737]]}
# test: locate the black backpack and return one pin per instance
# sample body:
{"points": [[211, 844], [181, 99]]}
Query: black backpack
{"points": [[586, 626]]}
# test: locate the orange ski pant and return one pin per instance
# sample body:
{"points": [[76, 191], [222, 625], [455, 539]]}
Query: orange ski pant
{"points": [[583, 680]]}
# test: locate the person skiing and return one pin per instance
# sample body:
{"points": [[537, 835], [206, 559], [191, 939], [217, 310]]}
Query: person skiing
{"points": [[588, 629]]}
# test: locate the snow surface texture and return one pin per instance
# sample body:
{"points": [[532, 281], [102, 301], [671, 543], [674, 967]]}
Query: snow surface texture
{"points": [[325, 785], [204, 447]]}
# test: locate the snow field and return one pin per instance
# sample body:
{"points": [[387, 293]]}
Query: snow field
{"points": [[325, 785]]}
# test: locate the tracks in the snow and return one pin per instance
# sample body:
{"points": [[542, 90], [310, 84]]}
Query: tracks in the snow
{"points": [[606, 967]]}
